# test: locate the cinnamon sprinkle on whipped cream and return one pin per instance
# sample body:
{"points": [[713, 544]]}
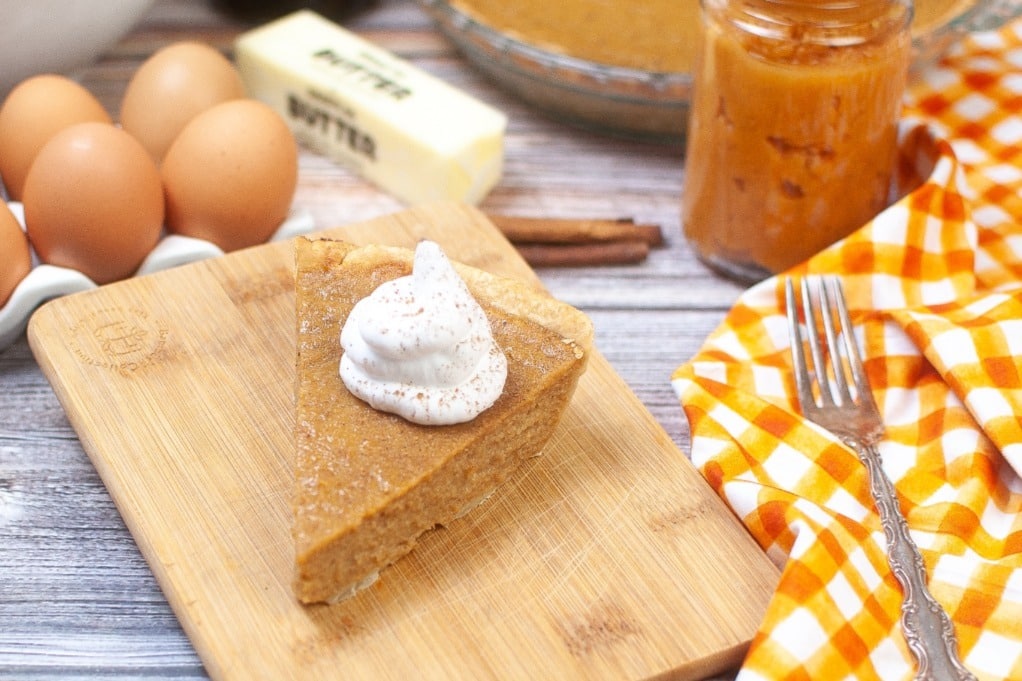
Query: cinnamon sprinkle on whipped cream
{"points": [[420, 346]]}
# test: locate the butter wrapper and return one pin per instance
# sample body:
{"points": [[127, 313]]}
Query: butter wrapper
{"points": [[410, 133]]}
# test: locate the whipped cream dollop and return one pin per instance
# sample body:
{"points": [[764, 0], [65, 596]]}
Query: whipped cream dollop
{"points": [[420, 346]]}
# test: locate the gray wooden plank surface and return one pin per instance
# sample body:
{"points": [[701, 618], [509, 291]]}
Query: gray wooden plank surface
{"points": [[77, 600]]}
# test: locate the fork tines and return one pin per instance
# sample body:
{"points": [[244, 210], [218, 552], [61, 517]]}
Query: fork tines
{"points": [[823, 304]]}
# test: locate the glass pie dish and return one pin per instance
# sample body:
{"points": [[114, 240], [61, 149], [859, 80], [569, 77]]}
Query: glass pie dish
{"points": [[646, 104]]}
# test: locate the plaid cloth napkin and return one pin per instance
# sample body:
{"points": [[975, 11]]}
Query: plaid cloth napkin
{"points": [[935, 287]]}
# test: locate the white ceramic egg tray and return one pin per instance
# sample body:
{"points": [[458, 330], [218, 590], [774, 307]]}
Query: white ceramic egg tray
{"points": [[50, 281]]}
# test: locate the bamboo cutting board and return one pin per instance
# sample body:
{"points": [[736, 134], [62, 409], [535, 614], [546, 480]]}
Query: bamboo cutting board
{"points": [[607, 558]]}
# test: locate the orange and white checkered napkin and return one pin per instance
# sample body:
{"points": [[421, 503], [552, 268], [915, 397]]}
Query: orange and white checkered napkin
{"points": [[935, 287]]}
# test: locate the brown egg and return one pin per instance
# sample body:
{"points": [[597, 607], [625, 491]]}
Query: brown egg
{"points": [[230, 176], [32, 113], [14, 253], [93, 202], [172, 87]]}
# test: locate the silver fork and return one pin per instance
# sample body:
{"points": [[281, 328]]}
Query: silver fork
{"points": [[853, 416]]}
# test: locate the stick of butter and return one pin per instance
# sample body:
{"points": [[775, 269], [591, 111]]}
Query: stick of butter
{"points": [[410, 133]]}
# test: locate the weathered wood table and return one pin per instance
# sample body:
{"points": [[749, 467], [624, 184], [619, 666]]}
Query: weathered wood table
{"points": [[77, 600]]}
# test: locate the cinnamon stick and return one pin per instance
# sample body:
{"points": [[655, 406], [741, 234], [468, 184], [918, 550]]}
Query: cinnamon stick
{"points": [[575, 231], [584, 254]]}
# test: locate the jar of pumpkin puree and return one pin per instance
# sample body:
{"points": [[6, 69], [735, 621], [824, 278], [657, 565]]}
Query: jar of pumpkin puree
{"points": [[792, 137]]}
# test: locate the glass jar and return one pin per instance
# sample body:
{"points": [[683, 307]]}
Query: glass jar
{"points": [[792, 138], [259, 11]]}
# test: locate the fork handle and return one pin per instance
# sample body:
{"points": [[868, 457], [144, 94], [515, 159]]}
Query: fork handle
{"points": [[927, 628]]}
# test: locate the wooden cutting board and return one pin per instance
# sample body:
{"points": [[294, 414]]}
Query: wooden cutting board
{"points": [[607, 558]]}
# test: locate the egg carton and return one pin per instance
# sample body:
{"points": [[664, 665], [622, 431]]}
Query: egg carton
{"points": [[45, 282]]}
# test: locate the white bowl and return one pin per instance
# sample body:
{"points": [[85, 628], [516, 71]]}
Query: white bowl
{"points": [[57, 36]]}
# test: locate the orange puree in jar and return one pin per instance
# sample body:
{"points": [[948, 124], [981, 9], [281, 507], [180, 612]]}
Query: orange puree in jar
{"points": [[792, 136]]}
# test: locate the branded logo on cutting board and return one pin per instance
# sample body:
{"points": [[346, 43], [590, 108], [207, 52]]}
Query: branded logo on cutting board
{"points": [[122, 339]]}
